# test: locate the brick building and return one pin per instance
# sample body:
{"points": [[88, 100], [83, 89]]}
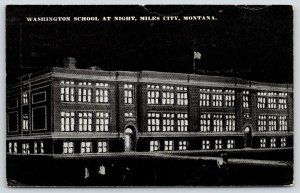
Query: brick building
{"points": [[82, 111]]}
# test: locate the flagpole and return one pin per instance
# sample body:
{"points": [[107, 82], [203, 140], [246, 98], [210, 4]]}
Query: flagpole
{"points": [[194, 66]]}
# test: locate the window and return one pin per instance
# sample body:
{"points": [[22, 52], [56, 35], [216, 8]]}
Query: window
{"points": [[247, 115], [86, 147], [15, 147], [25, 148], [67, 121], [182, 96], [35, 147], [168, 122], [85, 121], [218, 123], [217, 98], [25, 98], [168, 98], [283, 142], [229, 98], [204, 97], [102, 147], [39, 118], [169, 145], [273, 142], [230, 122], [154, 145], [102, 121], [153, 95], [230, 144], [262, 123], [67, 91], [84, 95], [272, 103], [153, 121], [282, 123], [205, 122], [128, 94], [272, 123], [182, 122], [246, 97], [218, 144], [182, 145], [205, 144], [42, 147], [282, 102], [128, 115], [101, 95], [263, 142], [261, 100], [25, 123], [68, 147], [10, 147]]}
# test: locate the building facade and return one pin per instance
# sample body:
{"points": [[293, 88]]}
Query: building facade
{"points": [[90, 111]]}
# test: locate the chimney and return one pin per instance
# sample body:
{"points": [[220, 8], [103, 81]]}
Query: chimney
{"points": [[70, 63]]}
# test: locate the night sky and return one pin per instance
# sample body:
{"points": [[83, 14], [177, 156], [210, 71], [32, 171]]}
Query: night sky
{"points": [[255, 43]]}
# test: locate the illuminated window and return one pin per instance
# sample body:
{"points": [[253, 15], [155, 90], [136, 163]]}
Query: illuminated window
{"points": [[204, 97], [272, 103], [261, 100], [273, 142], [218, 144], [154, 145], [168, 98], [263, 142], [246, 97], [169, 145], [68, 147], [206, 144], [218, 123], [67, 91], [10, 147], [67, 121], [35, 147], [230, 144], [25, 148], [230, 122], [283, 142], [86, 147], [153, 95], [282, 123], [272, 123], [153, 121], [102, 121], [182, 145], [205, 122], [282, 101], [217, 98], [262, 123], [229, 98], [182, 96], [182, 122], [101, 95], [128, 93], [42, 147], [25, 98], [168, 122], [15, 147], [84, 95], [85, 121], [25, 123], [102, 147]]}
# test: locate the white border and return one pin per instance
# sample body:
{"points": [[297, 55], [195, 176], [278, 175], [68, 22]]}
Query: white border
{"points": [[296, 5]]}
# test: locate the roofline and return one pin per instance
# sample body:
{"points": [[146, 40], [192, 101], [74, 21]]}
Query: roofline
{"points": [[157, 77]]}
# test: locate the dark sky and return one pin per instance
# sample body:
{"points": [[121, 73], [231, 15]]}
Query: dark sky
{"points": [[250, 42]]}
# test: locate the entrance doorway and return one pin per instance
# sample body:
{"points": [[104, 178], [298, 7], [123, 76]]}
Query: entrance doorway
{"points": [[129, 139], [248, 137]]}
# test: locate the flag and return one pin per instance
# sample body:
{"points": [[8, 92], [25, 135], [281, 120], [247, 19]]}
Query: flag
{"points": [[197, 55]]}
